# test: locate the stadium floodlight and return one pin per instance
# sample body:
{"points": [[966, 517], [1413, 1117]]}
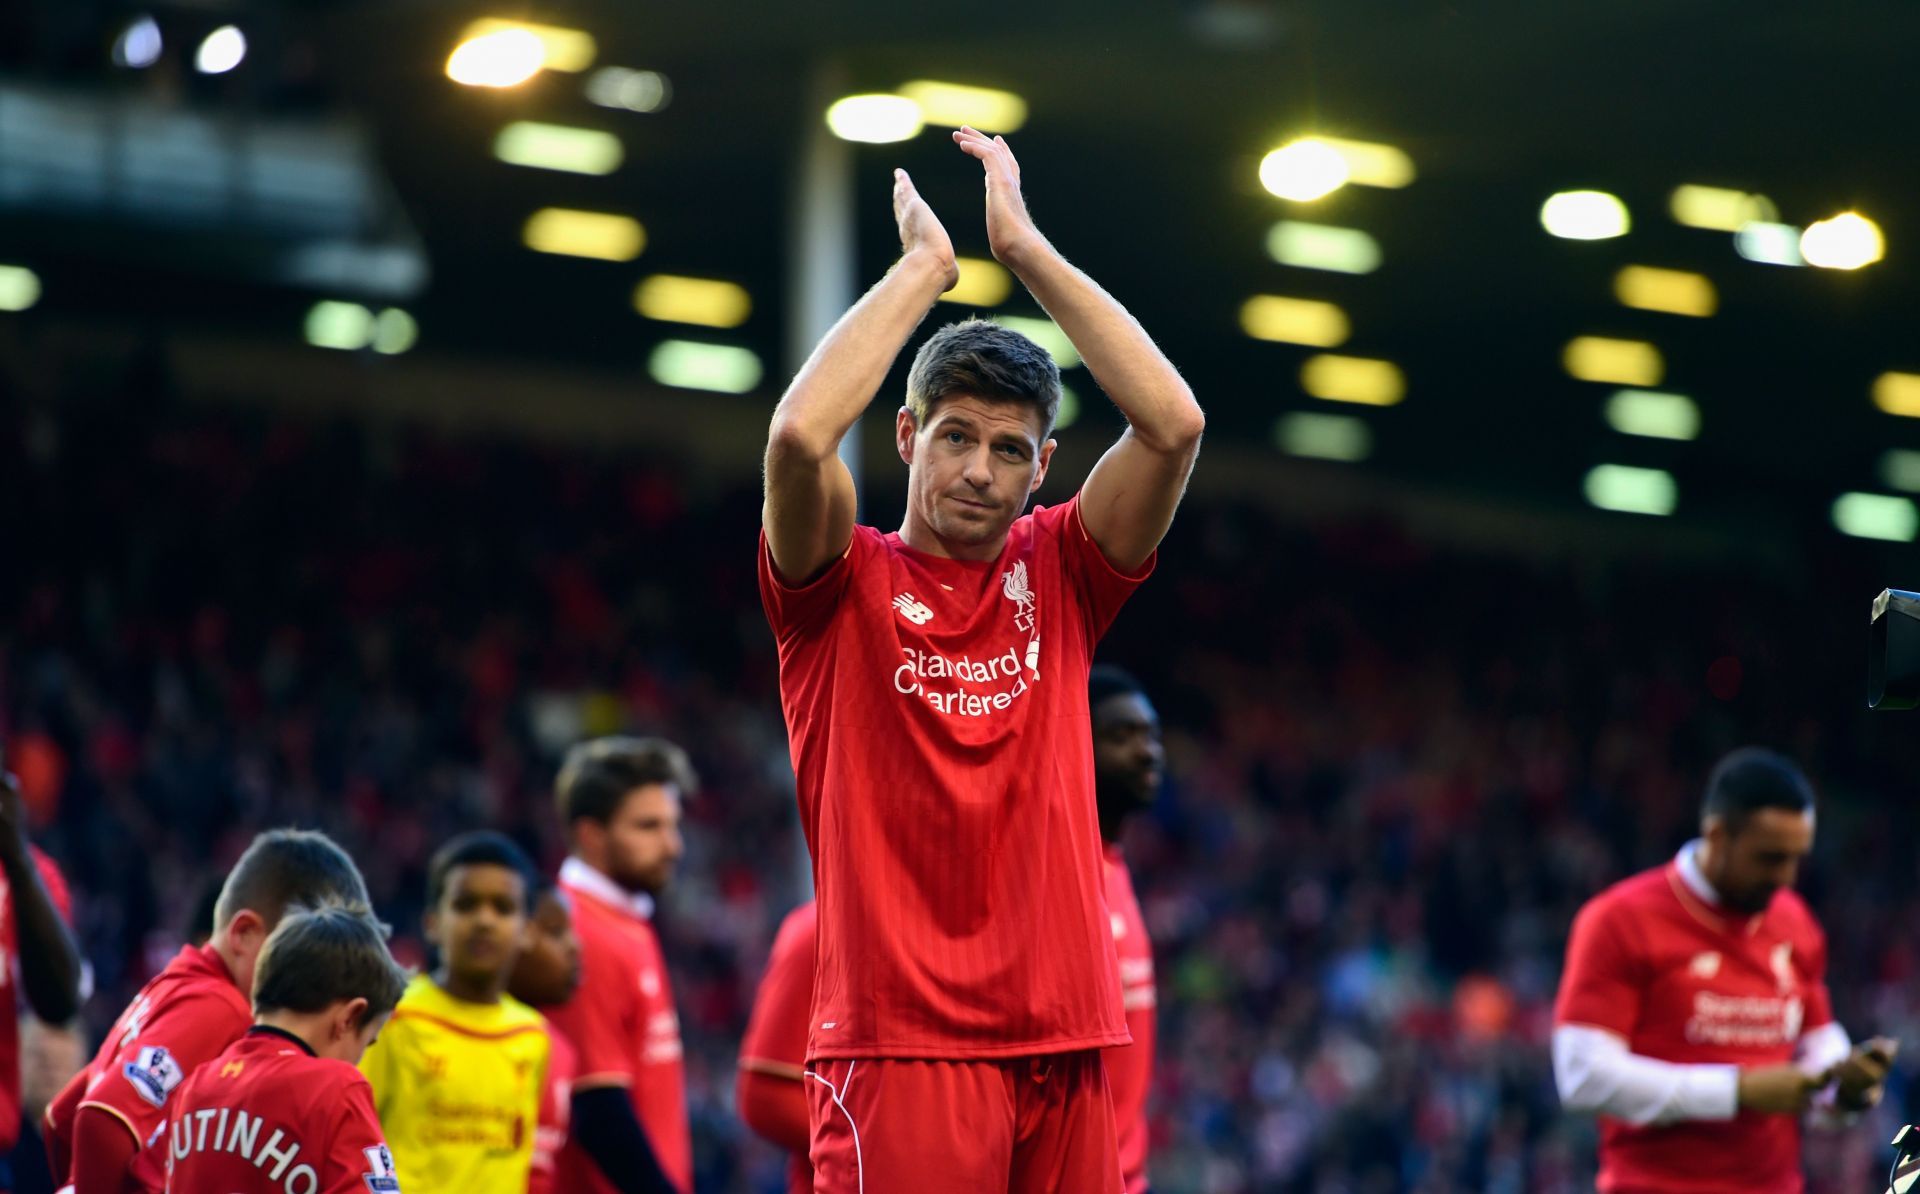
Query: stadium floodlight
{"points": [[602, 236], [1335, 378], [568, 50], [1719, 209], [139, 44], [1900, 469], [1847, 241], [1585, 215], [982, 283], [1898, 394], [1304, 170], [19, 288], [632, 90], [1673, 291], [1371, 164], [558, 147], [1769, 244], [394, 332], [348, 327], [1653, 414], [1620, 362], [951, 105], [1324, 437], [1046, 334], [1629, 490], [1069, 412], [221, 51], [707, 302], [1285, 320], [1323, 247], [503, 58], [1876, 516], [875, 119], [693, 365]]}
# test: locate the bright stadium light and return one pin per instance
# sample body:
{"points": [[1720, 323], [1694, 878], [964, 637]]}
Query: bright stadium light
{"points": [[1898, 394], [1674, 291], [19, 288], [569, 50], [1334, 378], [951, 105], [503, 58], [221, 51], [1046, 334], [599, 235], [1621, 362], [1719, 209], [1304, 170], [1630, 490], [1876, 516], [1371, 164], [1585, 215], [1847, 241], [1768, 243], [875, 119], [1323, 247], [1069, 412], [139, 44], [983, 283], [693, 365], [1900, 469], [558, 147], [632, 90], [1324, 437], [707, 302], [1653, 414], [1294, 321], [394, 332], [348, 327]]}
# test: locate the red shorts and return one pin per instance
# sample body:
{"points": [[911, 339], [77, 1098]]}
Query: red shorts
{"points": [[1033, 1125]]}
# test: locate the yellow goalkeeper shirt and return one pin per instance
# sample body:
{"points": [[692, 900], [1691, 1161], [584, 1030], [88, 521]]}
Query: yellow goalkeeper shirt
{"points": [[457, 1086]]}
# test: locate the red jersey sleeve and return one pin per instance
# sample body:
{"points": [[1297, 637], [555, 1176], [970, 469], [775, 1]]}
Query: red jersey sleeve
{"points": [[1602, 983], [793, 609], [1101, 587], [776, 1039], [1813, 977], [135, 1084], [56, 883], [556, 1112], [358, 1160], [602, 1020]]}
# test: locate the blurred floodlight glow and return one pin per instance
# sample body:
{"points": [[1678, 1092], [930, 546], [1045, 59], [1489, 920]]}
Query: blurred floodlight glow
{"points": [[1585, 215], [503, 58], [1324, 247], [570, 233], [875, 119], [1653, 414], [345, 326], [982, 283], [221, 51], [558, 147], [19, 288], [1046, 334], [1069, 412], [1898, 394], [633, 90], [1847, 241], [1900, 469], [1304, 170], [1876, 516], [1768, 243], [569, 50], [394, 332], [1677, 292], [1294, 321], [1631, 490], [1622, 362], [693, 365], [1719, 209], [1371, 164], [707, 302], [1324, 437], [139, 44], [954, 104], [1353, 379]]}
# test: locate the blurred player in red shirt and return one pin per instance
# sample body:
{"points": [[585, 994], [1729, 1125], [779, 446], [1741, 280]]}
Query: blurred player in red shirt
{"points": [[934, 686], [40, 953], [284, 1110], [773, 1055], [1693, 1015], [547, 974], [619, 801], [190, 1011], [1127, 764]]}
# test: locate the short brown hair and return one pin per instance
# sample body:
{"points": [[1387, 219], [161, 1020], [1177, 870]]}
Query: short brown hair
{"points": [[285, 868], [597, 775], [981, 358], [319, 958]]}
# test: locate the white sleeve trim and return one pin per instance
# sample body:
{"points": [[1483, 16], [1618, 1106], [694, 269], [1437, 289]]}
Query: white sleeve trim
{"points": [[1594, 1071], [1815, 1053]]}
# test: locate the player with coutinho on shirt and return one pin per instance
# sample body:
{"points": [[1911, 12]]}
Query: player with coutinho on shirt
{"points": [[1693, 1015], [283, 1110], [934, 686], [770, 1088]]}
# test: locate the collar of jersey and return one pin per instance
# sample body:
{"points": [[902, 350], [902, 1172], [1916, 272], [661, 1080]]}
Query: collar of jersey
{"points": [[575, 873], [934, 561], [1686, 865]]}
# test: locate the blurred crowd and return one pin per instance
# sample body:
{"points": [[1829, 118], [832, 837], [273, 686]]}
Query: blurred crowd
{"points": [[1397, 768]]}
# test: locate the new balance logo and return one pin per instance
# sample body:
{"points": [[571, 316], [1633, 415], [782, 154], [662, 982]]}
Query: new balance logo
{"points": [[912, 610], [1705, 965], [233, 1069]]}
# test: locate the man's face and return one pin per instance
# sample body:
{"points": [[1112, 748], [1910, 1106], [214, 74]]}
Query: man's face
{"points": [[972, 467], [643, 839], [1128, 759], [548, 972], [480, 923], [1760, 859]]}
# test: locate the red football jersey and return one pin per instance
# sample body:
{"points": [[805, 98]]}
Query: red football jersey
{"points": [[1130, 1067], [268, 1117], [622, 1025], [183, 1018], [556, 1112], [1681, 980], [10, 976], [937, 715], [776, 1039]]}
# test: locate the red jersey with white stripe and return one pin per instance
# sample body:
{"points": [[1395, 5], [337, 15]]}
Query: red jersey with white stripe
{"points": [[1682, 980], [268, 1117], [183, 1018], [937, 715], [10, 975], [1130, 1067], [625, 1032], [776, 1038]]}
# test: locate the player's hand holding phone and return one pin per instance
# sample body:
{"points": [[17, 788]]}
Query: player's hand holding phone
{"points": [[1860, 1079], [1779, 1089]]}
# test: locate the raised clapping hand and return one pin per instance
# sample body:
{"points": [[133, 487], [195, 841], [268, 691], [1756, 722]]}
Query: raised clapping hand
{"points": [[920, 229], [1010, 230]]}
